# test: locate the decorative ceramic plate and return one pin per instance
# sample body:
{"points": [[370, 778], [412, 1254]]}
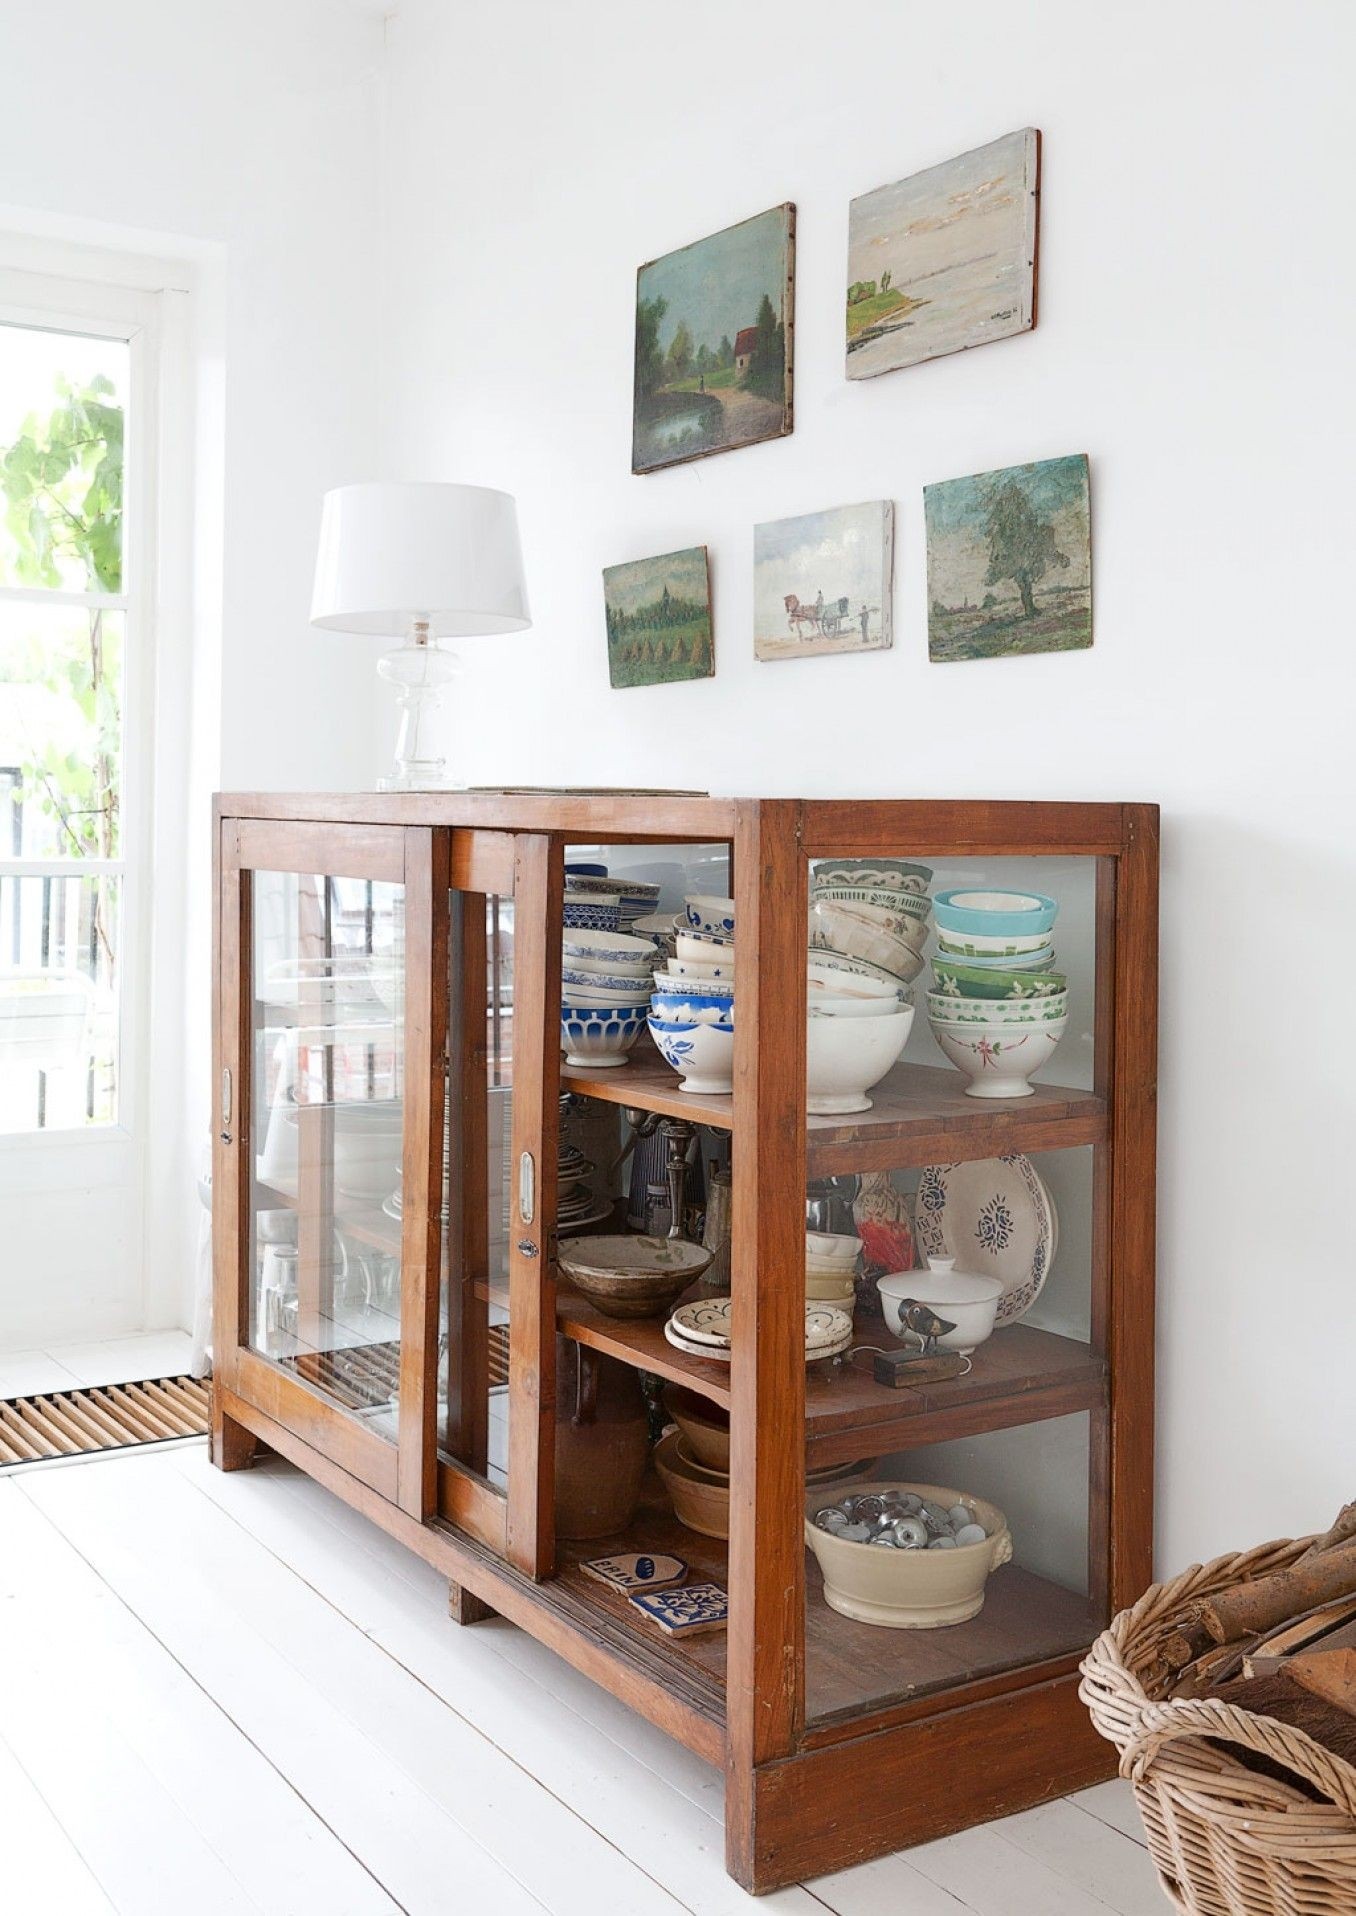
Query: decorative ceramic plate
{"points": [[720, 1354], [825, 1325], [995, 1216], [707, 1322]]}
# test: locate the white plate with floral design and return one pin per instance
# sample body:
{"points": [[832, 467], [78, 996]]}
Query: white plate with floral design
{"points": [[994, 1215], [705, 1327]]}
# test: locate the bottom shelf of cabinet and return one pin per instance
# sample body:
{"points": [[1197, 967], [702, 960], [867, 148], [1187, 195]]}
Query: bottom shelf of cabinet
{"points": [[851, 1668]]}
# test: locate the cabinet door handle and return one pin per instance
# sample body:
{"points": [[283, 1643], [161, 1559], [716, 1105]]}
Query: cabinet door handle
{"points": [[527, 1187], [226, 1098]]}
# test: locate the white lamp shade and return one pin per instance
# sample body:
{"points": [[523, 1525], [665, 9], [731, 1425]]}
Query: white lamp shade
{"points": [[391, 554]]}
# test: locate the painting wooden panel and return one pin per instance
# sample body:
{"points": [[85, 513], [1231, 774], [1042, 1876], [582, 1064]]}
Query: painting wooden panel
{"points": [[714, 326], [659, 619], [945, 259], [1010, 561], [823, 582]]}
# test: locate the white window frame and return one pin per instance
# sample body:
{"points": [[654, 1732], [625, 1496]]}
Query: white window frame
{"points": [[53, 303]]}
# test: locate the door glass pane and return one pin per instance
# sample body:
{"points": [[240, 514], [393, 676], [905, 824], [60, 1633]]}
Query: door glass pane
{"points": [[61, 459], [58, 1001], [61, 696], [473, 1396], [329, 1082]]}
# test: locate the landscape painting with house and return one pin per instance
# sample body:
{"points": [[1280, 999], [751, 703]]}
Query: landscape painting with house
{"points": [[1010, 562], [659, 619], [945, 259], [713, 343], [822, 582]]}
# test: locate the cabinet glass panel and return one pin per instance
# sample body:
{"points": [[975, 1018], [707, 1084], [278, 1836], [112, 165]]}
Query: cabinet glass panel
{"points": [[328, 1070], [473, 1394]]}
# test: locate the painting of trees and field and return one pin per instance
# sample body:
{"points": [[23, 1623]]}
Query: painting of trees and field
{"points": [[659, 619], [713, 343], [1010, 562], [944, 259]]}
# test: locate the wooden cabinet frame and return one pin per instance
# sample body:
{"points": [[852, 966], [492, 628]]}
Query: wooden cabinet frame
{"points": [[804, 1793]]}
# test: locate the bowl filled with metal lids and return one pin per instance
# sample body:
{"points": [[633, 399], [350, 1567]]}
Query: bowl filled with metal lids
{"points": [[907, 1556]]}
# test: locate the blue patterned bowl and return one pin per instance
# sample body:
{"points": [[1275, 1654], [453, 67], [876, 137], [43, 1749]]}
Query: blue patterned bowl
{"points": [[712, 915], [599, 1036], [693, 1007], [582, 913], [703, 1053]]}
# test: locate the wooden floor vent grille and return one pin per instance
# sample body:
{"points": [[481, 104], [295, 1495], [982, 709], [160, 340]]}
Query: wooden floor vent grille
{"points": [[73, 1423]]}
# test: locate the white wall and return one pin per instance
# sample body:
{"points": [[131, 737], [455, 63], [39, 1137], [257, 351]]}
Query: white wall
{"points": [[238, 141], [1196, 293]]}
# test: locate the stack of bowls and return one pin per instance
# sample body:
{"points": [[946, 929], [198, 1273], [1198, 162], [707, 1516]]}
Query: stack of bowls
{"points": [[591, 904], [998, 1008], [692, 1004], [604, 988], [872, 912], [831, 1268]]}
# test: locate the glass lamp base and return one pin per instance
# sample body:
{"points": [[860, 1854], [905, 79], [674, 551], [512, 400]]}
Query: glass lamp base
{"points": [[418, 671], [417, 781]]}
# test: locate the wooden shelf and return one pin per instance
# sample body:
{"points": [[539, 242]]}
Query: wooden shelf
{"points": [[1021, 1375], [850, 1667], [920, 1114]]}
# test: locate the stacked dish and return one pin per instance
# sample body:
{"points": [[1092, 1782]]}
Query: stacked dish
{"points": [[603, 992], [692, 1004], [597, 901], [830, 1268], [704, 1329], [576, 1204], [997, 1009], [872, 910]]}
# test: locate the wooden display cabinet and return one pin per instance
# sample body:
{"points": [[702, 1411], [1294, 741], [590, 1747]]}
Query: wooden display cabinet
{"points": [[353, 940]]}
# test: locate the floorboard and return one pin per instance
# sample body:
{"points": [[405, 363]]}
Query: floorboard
{"points": [[275, 1714]]}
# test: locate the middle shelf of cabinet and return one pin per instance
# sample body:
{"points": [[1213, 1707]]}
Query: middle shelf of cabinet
{"points": [[1020, 1376]]}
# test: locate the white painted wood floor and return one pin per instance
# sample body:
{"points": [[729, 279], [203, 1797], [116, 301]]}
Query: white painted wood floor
{"points": [[232, 1694]]}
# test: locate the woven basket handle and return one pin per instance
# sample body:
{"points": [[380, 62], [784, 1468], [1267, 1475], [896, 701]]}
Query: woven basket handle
{"points": [[1162, 1723]]}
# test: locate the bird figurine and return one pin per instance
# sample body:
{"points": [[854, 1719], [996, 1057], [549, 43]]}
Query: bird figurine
{"points": [[923, 1322]]}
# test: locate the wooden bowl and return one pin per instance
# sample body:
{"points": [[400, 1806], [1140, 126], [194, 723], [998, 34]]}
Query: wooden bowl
{"points": [[632, 1276], [701, 1502], [705, 1427]]}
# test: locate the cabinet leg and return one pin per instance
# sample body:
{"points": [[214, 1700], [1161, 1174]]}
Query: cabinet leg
{"points": [[463, 1606], [230, 1445]]}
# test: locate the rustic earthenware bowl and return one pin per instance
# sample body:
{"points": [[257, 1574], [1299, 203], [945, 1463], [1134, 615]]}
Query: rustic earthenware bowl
{"points": [[633, 1276]]}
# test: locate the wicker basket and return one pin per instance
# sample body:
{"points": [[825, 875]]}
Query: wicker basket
{"points": [[1226, 1841]]}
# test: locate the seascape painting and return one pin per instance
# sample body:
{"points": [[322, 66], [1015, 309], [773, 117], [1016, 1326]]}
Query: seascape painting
{"points": [[713, 343], [1010, 562], [945, 259], [822, 582], [659, 619]]}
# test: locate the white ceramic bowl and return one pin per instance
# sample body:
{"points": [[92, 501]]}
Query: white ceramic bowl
{"points": [[714, 915], [838, 928], [827, 1007], [368, 1146], [895, 980], [945, 1008], [721, 969], [967, 1299], [908, 1589], [822, 1289], [585, 999], [678, 976], [834, 1247], [703, 1053], [605, 948], [889, 874], [998, 1059], [602, 978], [595, 1036], [704, 946], [828, 981], [979, 944], [844, 1057]]}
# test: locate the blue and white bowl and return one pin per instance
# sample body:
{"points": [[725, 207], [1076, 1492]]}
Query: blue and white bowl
{"points": [[703, 1053], [693, 1008], [596, 1037], [624, 983], [591, 913], [707, 947], [713, 915], [604, 948], [677, 976]]}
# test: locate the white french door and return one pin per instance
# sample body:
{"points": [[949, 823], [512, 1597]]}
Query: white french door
{"points": [[78, 392]]}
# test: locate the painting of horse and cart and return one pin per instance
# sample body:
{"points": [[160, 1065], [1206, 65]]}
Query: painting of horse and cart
{"points": [[822, 582]]}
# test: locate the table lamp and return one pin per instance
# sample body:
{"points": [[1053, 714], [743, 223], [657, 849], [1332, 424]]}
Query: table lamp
{"points": [[421, 562]]}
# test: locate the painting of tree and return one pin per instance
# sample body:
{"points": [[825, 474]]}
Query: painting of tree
{"points": [[1010, 561]]}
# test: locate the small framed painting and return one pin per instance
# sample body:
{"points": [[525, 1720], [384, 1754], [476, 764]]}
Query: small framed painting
{"points": [[945, 259], [659, 619], [713, 343], [1010, 562], [823, 582]]}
